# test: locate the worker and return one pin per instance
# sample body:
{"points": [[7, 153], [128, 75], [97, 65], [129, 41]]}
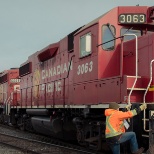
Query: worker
{"points": [[116, 126]]}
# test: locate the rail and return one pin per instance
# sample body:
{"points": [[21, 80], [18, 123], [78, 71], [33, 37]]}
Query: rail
{"points": [[144, 116], [136, 72], [39, 144]]}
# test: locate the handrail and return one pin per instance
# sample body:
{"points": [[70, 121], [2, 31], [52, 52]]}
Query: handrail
{"points": [[144, 117], [136, 73], [7, 100]]}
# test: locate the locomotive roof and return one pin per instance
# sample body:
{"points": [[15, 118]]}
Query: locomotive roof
{"points": [[95, 21]]}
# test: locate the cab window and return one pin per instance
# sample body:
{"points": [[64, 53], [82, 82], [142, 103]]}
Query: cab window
{"points": [[85, 45], [108, 34], [129, 31]]}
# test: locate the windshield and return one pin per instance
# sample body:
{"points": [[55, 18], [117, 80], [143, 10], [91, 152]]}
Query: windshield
{"points": [[130, 31]]}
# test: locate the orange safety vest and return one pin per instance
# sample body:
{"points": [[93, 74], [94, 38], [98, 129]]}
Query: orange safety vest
{"points": [[115, 121]]}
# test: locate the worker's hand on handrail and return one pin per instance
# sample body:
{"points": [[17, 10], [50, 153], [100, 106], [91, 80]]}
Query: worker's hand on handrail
{"points": [[128, 107], [143, 106]]}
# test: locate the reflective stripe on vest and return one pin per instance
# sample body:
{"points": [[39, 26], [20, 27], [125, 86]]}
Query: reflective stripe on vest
{"points": [[122, 125], [113, 132], [134, 112]]}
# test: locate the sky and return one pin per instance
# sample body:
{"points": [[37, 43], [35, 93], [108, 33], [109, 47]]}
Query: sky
{"points": [[27, 26]]}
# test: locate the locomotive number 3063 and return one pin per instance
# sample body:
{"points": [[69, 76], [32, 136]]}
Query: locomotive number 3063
{"points": [[85, 68], [132, 18]]}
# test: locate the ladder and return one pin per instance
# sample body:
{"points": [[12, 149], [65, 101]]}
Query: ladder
{"points": [[7, 106], [136, 65], [139, 88], [144, 116]]}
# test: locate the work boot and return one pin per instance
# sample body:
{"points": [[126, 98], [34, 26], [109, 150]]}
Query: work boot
{"points": [[139, 151]]}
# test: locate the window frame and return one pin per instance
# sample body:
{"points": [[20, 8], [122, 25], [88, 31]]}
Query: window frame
{"points": [[130, 33], [102, 34], [88, 53]]}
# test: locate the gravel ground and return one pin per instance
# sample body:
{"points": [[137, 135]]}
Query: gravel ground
{"points": [[8, 150], [45, 150]]}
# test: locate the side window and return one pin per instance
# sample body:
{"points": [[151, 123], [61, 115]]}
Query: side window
{"points": [[85, 45], [108, 35]]}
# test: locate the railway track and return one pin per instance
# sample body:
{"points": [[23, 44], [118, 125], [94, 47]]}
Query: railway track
{"points": [[5, 149], [38, 144]]}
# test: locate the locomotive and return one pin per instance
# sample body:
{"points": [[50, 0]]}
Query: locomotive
{"points": [[64, 89]]}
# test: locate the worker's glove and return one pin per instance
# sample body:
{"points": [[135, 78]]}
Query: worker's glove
{"points": [[128, 107], [143, 106]]}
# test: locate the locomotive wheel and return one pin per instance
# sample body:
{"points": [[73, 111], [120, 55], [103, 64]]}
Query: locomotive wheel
{"points": [[28, 126], [81, 137], [1, 118], [21, 124]]}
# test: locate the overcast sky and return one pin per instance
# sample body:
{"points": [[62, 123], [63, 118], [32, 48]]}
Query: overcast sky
{"points": [[27, 26]]}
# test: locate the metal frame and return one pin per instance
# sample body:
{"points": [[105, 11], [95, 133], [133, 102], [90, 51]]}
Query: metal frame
{"points": [[136, 73], [144, 116]]}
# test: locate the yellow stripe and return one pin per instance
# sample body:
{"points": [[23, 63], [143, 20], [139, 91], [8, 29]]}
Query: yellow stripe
{"points": [[151, 89], [113, 132]]}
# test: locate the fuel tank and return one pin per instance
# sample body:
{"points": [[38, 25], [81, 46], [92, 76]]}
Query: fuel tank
{"points": [[59, 128], [40, 112]]}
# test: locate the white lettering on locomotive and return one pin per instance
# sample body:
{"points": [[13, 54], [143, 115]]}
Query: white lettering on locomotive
{"points": [[17, 88], [50, 86], [14, 80], [85, 68], [60, 69]]}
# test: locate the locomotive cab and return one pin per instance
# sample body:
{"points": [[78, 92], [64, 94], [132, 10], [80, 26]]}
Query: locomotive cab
{"points": [[117, 66]]}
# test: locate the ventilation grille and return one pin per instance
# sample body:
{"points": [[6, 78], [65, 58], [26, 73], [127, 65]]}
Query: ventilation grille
{"points": [[3, 78], [25, 69]]}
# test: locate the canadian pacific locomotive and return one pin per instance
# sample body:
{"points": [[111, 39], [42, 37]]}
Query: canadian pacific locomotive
{"points": [[63, 89]]}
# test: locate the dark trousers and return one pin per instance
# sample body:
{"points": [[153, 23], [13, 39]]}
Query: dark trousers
{"points": [[128, 136]]}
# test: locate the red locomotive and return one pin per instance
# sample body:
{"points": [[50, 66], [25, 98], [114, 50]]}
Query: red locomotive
{"points": [[66, 86], [9, 92]]}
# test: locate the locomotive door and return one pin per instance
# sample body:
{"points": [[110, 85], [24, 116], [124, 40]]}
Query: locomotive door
{"points": [[85, 67], [108, 58], [108, 65]]}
